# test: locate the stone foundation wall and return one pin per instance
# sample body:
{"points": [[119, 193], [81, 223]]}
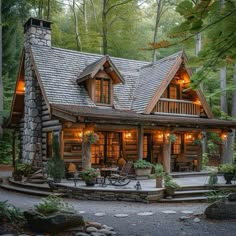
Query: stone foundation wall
{"points": [[112, 195]]}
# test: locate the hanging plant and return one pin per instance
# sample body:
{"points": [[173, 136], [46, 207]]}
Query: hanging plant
{"points": [[172, 138], [91, 137]]}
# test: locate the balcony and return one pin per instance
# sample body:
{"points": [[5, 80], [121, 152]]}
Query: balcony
{"points": [[167, 106]]}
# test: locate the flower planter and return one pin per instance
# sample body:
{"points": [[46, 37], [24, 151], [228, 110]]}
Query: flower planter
{"points": [[90, 182], [228, 177], [143, 172]]}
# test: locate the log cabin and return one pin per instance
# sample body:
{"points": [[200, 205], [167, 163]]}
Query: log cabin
{"points": [[135, 107]]}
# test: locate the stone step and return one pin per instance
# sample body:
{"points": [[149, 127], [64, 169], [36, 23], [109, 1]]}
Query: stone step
{"points": [[190, 193], [28, 185], [184, 199]]}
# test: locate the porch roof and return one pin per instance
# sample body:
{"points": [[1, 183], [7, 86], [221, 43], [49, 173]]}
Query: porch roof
{"points": [[121, 116]]}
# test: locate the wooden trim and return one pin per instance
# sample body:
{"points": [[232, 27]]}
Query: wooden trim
{"points": [[204, 104], [164, 85], [64, 115], [21, 66], [39, 81]]}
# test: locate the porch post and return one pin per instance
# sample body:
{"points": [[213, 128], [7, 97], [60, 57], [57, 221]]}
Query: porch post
{"points": [[140, 142], [14, 149], [166, 155]]}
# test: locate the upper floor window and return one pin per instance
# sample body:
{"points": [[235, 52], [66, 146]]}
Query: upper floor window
{"points": [[103, 91], [172, 91]]}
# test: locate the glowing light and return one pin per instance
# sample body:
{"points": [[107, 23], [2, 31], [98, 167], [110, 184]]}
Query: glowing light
{"points": [[128, 135]]}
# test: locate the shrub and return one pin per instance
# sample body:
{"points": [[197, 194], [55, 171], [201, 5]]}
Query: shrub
{"points": [[159, 171], [227, 168], [143, 164], [213, 179], [89, 173], [9, 212], [169, 182], [205, 160], [53, 204]]}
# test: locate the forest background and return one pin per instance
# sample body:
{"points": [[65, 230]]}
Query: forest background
{"points": [[136, 29]]}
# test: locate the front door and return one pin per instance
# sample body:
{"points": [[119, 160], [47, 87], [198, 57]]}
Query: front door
{"points": [[147, 147]]}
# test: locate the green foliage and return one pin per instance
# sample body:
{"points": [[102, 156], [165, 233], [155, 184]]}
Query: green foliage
{"points": [[214, 196], [172, 138], [205, 160], [213, 179], [89, 174], [53, 204], [227, 168], [158, 170], [55, 165], [142, 164], [91, 137], [169, 182], [9, 212], [6, 147]]}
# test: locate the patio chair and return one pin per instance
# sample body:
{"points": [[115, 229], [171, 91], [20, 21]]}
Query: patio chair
{"points": [[121, 178]]}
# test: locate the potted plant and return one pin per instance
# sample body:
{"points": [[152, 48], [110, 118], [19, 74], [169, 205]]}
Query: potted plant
{"points": [[159, 172], [89, 175], [172, 138], [229, 171], [55, 165], [170, 185], [143, 168]]}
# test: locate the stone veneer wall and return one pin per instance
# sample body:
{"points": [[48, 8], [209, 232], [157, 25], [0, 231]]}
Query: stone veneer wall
{"points": [[34, 35]]}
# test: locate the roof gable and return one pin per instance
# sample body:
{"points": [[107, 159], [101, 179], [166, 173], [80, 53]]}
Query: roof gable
{"points": [[104, 63]]}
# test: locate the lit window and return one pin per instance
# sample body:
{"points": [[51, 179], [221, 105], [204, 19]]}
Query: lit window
{"points": [[102, 93]]}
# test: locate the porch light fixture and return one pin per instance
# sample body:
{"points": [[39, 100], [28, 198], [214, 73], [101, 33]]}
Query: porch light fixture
{"points": [[224, 136], [78, 135], [128, 135]]}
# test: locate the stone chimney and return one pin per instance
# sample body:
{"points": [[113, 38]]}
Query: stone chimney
{"points": [[37, 32]]}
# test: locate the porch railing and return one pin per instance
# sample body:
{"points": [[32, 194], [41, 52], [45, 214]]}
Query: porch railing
{"points": [[177, 107]]}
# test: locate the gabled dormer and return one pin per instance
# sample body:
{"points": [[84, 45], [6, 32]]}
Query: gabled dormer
{"points": [[99, 79]]}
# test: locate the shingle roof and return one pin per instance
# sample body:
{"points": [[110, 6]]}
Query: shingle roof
{"points": [[59, 69]]}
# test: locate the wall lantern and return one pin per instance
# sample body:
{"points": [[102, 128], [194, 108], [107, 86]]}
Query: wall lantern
{"points": [[127, 134], [224, 136]]}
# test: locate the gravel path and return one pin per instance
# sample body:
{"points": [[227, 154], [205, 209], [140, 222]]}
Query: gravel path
{"points": [[153, 221]]}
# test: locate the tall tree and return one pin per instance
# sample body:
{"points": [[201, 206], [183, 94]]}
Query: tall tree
{"points": [[1, 83]]}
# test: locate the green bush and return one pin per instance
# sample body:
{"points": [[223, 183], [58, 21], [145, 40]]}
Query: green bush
{"points": [[9, 212], [53, 204], [169, 182], [227, 168], [142, 164], [213, 179], [205, 160], [159, 170]]}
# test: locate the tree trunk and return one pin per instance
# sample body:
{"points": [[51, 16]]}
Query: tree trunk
{"points": [[86, 155], [77, 36], [1, 82], [49, 10], [85, 16], [104, 27], [223, 97], [158, 16]]}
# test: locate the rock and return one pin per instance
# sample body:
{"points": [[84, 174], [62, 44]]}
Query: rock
{"points": [[196, 220], [91, 229], [94, 224], [221, 210], [198, 213], [169, 212], [7, 234], [99, 214], [108, 228], [97, 234], [183, 218], [81, 234], [53, 223], [232, 197]]}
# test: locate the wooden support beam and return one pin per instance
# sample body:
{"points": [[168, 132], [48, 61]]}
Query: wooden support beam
{"points": [[140, 142], [166, 155]]}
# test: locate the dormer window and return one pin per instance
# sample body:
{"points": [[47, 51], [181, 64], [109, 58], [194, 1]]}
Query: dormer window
{"points": [[103, 91]]}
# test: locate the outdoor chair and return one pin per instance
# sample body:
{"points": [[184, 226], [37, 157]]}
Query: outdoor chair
{"points": [[121, 178]]}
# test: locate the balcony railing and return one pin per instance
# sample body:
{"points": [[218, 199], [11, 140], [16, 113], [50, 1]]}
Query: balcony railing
{"points": [[177, 107]]}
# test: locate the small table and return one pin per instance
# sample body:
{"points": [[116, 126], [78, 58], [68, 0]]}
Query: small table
{"points": [[106, 172]]}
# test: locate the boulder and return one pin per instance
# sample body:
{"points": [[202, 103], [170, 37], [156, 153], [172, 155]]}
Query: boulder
{"points": [[232, 197], [221, 210], [53, 223]]}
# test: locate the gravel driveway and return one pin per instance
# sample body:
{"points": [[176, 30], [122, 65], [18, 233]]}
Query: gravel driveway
{"points": [[152, 221]]}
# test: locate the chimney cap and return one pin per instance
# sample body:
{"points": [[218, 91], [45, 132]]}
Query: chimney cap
{"points": [[32, 21]]}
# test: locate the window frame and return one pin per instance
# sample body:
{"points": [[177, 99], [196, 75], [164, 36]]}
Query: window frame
{"points": [[101, 100]]}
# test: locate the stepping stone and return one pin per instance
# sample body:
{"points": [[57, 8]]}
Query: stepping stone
{"points": [[82, 212], [99, 214], [183, 218], [145, 214], [121, 215], [187, 212], [169, 212], [196, 220]]}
